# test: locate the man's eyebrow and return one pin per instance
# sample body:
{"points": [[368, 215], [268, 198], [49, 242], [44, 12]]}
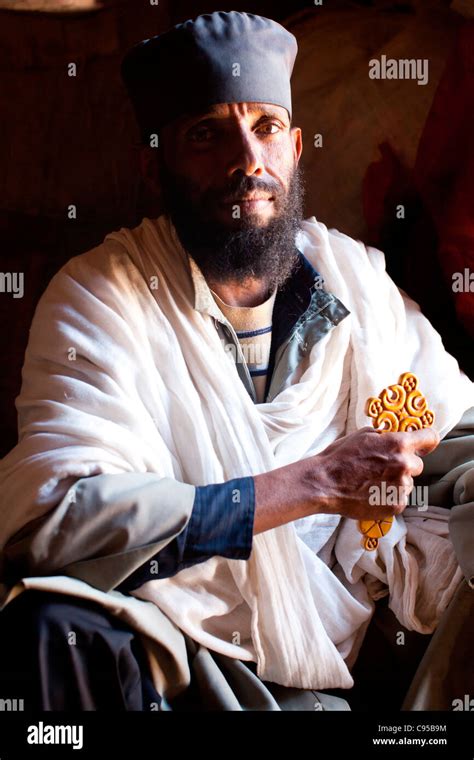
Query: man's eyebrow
{"points": [[269, 113], [265, 113]]}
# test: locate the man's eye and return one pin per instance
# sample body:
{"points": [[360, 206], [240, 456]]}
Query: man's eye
{"points": [[200, 134], [269, 129]]}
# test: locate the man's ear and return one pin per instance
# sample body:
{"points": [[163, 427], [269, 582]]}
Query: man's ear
{"points": [[149, 159], [297, 138]]}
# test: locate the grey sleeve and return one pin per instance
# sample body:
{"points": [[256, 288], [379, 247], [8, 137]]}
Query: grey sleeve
{"points": [[105, 527], [449, 475]]}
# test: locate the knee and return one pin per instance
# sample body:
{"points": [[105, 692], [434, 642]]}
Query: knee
{"points": [[65, 652], [34, 612], [31, 606]]}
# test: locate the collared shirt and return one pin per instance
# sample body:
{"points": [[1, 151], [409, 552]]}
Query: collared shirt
{"points": [[303, 313], [253, 326]]}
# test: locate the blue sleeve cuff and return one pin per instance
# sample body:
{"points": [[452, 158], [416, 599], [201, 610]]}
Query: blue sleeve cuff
{"points": [[221, 523]]}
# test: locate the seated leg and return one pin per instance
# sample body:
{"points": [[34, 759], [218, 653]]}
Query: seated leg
{"points": [[59, 652]]}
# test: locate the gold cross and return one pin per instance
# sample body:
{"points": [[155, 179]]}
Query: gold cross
{"points": [[398, 408]]}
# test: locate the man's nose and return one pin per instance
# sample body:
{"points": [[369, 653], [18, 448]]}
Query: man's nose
{"points": [[245, 154]]}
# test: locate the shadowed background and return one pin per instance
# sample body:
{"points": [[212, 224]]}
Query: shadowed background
{"points": [[73, 140]]}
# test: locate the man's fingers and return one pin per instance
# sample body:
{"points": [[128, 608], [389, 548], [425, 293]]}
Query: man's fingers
{"points": [[424, 440], [416, 466]]}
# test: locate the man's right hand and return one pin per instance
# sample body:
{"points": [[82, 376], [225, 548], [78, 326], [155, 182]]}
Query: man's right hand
{"points": [[341, 479]]}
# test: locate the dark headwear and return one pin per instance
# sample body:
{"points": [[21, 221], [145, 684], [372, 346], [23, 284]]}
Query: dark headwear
{"points": [[217, 58]]}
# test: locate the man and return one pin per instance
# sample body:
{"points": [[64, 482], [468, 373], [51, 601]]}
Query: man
{"points": [[194, 455]]}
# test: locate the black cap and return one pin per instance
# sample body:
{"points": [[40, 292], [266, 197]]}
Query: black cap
{"points": [[216, 58]]}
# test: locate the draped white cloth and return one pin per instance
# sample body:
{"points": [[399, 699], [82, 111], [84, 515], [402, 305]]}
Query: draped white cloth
{"points": [[150, 388]]}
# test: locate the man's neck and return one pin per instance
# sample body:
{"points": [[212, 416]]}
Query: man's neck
{"points": [[251, 292]]}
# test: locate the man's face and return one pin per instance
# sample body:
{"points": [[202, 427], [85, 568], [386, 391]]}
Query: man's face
{"points": [[212, 154], [230, 181]]}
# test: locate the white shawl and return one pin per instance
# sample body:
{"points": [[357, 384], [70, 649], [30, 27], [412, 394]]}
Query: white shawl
{"points": [[150, 388]]}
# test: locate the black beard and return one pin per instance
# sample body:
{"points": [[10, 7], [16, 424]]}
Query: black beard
{"points": [[244, 249]]}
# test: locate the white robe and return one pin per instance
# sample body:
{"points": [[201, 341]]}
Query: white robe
{"points": [[150, 389]]}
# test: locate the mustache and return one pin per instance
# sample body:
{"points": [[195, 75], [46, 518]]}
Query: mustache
{"points": [[233, 190]]}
